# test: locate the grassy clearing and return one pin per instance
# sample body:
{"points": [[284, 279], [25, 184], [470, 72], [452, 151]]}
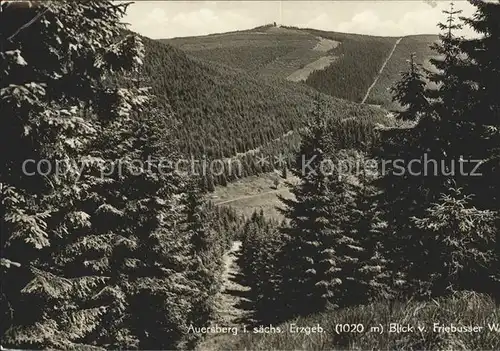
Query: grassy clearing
{"points": [[464, 309], [325, 45], [319, 64], [254, 194]]}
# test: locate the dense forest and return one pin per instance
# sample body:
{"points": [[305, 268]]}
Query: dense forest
{"points": [[222, 113], [428, 233], [104, 246], [360, 59], [98, 252]]}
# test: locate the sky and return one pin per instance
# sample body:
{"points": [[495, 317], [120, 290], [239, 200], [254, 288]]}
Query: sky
{"points": [[169, 19]]}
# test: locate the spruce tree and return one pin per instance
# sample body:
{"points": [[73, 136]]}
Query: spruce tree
{"points": [[409, 92], [469, 95], [482, 72], [446, 134], [372, 269], [97, 255], [456, 247], [461, 128], [207, 243], [320, 254], [481, 128], [52, 77], [449, 93], [304, 250], [261, 243]]}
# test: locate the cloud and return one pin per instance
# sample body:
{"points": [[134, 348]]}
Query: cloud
{"points": [[167, 19], [369, 22], [431, 3], [158, 15], [195, 19], [385, 21]]}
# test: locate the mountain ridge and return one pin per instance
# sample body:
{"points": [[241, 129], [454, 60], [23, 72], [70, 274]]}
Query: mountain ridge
{"points": [[345, 71]]}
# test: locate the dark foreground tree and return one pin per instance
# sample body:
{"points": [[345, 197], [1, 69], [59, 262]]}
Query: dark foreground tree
{"points": [[95, 250], [52, 78], [321, 253], [457, 247], [456, 145], [409, 91]]}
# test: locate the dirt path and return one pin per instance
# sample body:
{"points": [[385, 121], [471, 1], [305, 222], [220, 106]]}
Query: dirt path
{"points": [[233, 307], [246, 197], [381, 70], [232, 303]]}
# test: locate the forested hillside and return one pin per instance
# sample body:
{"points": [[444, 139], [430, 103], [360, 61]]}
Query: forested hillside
{"points": [[222, 112], [280, 51], [420, 45], [360, 59]]}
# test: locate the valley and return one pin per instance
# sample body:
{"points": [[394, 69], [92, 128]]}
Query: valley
{"points": [[299, 56], [255, 193], [232, 189], [222, 112]]}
